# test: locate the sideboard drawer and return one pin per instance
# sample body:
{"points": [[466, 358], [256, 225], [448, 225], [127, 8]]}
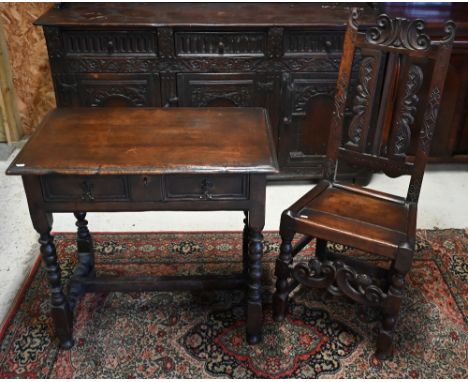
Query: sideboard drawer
{"points": [[79, 42], [220, 43], [110, 188], [298, 43], [206, 187]]}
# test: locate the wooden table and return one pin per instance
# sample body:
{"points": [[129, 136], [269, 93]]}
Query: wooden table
{"points": [[147, 159]]}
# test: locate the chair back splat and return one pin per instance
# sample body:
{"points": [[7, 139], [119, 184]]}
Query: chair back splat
{"points": [[390, 112], [401, 78]]}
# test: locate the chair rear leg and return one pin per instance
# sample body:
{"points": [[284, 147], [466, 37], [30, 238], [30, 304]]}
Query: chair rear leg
{"points": [[282, 272]]}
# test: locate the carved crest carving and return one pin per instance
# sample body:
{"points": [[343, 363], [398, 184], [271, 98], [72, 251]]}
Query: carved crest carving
{"points": [[399, 33]]}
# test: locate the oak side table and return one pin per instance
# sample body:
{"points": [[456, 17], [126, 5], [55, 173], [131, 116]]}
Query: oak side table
{"points": [[147, 159]]}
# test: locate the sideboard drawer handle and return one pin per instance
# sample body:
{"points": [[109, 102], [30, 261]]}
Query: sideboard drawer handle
{"points": [[110, 46], [221, 47]]}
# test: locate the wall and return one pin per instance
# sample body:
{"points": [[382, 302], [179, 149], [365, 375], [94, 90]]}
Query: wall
{"points": [[29, 62]]}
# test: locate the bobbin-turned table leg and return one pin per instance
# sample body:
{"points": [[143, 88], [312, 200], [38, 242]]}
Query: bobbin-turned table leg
{"points": [[60, 310], [85, 256]]}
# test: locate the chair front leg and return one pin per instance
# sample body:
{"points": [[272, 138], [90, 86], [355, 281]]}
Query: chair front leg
{"points": [[391, 310], [283, 274]]}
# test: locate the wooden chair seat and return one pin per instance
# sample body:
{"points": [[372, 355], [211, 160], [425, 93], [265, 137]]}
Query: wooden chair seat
{"points": [[366, 219]]}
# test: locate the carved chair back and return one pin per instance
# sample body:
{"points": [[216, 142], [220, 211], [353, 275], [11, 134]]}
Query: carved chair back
{"points": [[399, 88]]}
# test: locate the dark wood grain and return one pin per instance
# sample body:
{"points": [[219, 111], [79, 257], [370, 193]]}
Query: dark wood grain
{"points": [[89, 141], [200, 14], [118, 159], [389, 114], [283, 57]]}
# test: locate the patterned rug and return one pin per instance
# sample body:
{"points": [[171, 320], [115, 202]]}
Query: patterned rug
{"points": [[187, 334]]}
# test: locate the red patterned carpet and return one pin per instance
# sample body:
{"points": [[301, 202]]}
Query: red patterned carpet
{"points": [[201, 335]]}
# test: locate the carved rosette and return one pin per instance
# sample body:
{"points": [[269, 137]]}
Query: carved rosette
{"points": [[407, 111], [399, 33], [361, 101]]}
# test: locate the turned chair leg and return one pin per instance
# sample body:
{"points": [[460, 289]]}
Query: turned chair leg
{"points": [[60, 309], [391, 311], [282, 272]]}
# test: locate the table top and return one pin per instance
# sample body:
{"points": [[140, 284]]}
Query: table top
{"points": [[109, 141]]}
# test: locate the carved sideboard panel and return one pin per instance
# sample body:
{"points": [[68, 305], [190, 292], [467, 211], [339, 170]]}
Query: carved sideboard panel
{"points": [[98, 89], [187, 55]]}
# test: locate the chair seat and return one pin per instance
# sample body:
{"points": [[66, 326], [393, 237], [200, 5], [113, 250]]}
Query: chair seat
{"points": [[362, 218]]}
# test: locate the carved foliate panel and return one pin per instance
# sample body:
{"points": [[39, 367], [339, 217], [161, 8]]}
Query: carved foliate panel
{"points": [[430, 119], [206, 90], [362, 103], [318, 63], [105, 90], [401, 132]]}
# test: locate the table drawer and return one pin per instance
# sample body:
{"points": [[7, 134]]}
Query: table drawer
{"points": [[206, 187], [84, 188], [145, 188], [140, 42], [220, 43]]}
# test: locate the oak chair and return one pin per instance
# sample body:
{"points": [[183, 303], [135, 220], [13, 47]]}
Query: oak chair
{"points": [[395, 106]]}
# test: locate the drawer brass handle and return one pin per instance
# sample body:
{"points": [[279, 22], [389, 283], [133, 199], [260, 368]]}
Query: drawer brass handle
{"points": [[110, 46], [206, 185], [87, 191], [221, 47]]}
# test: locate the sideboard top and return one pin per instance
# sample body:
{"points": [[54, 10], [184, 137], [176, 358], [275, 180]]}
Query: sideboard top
{"points": [[200, 14]]}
